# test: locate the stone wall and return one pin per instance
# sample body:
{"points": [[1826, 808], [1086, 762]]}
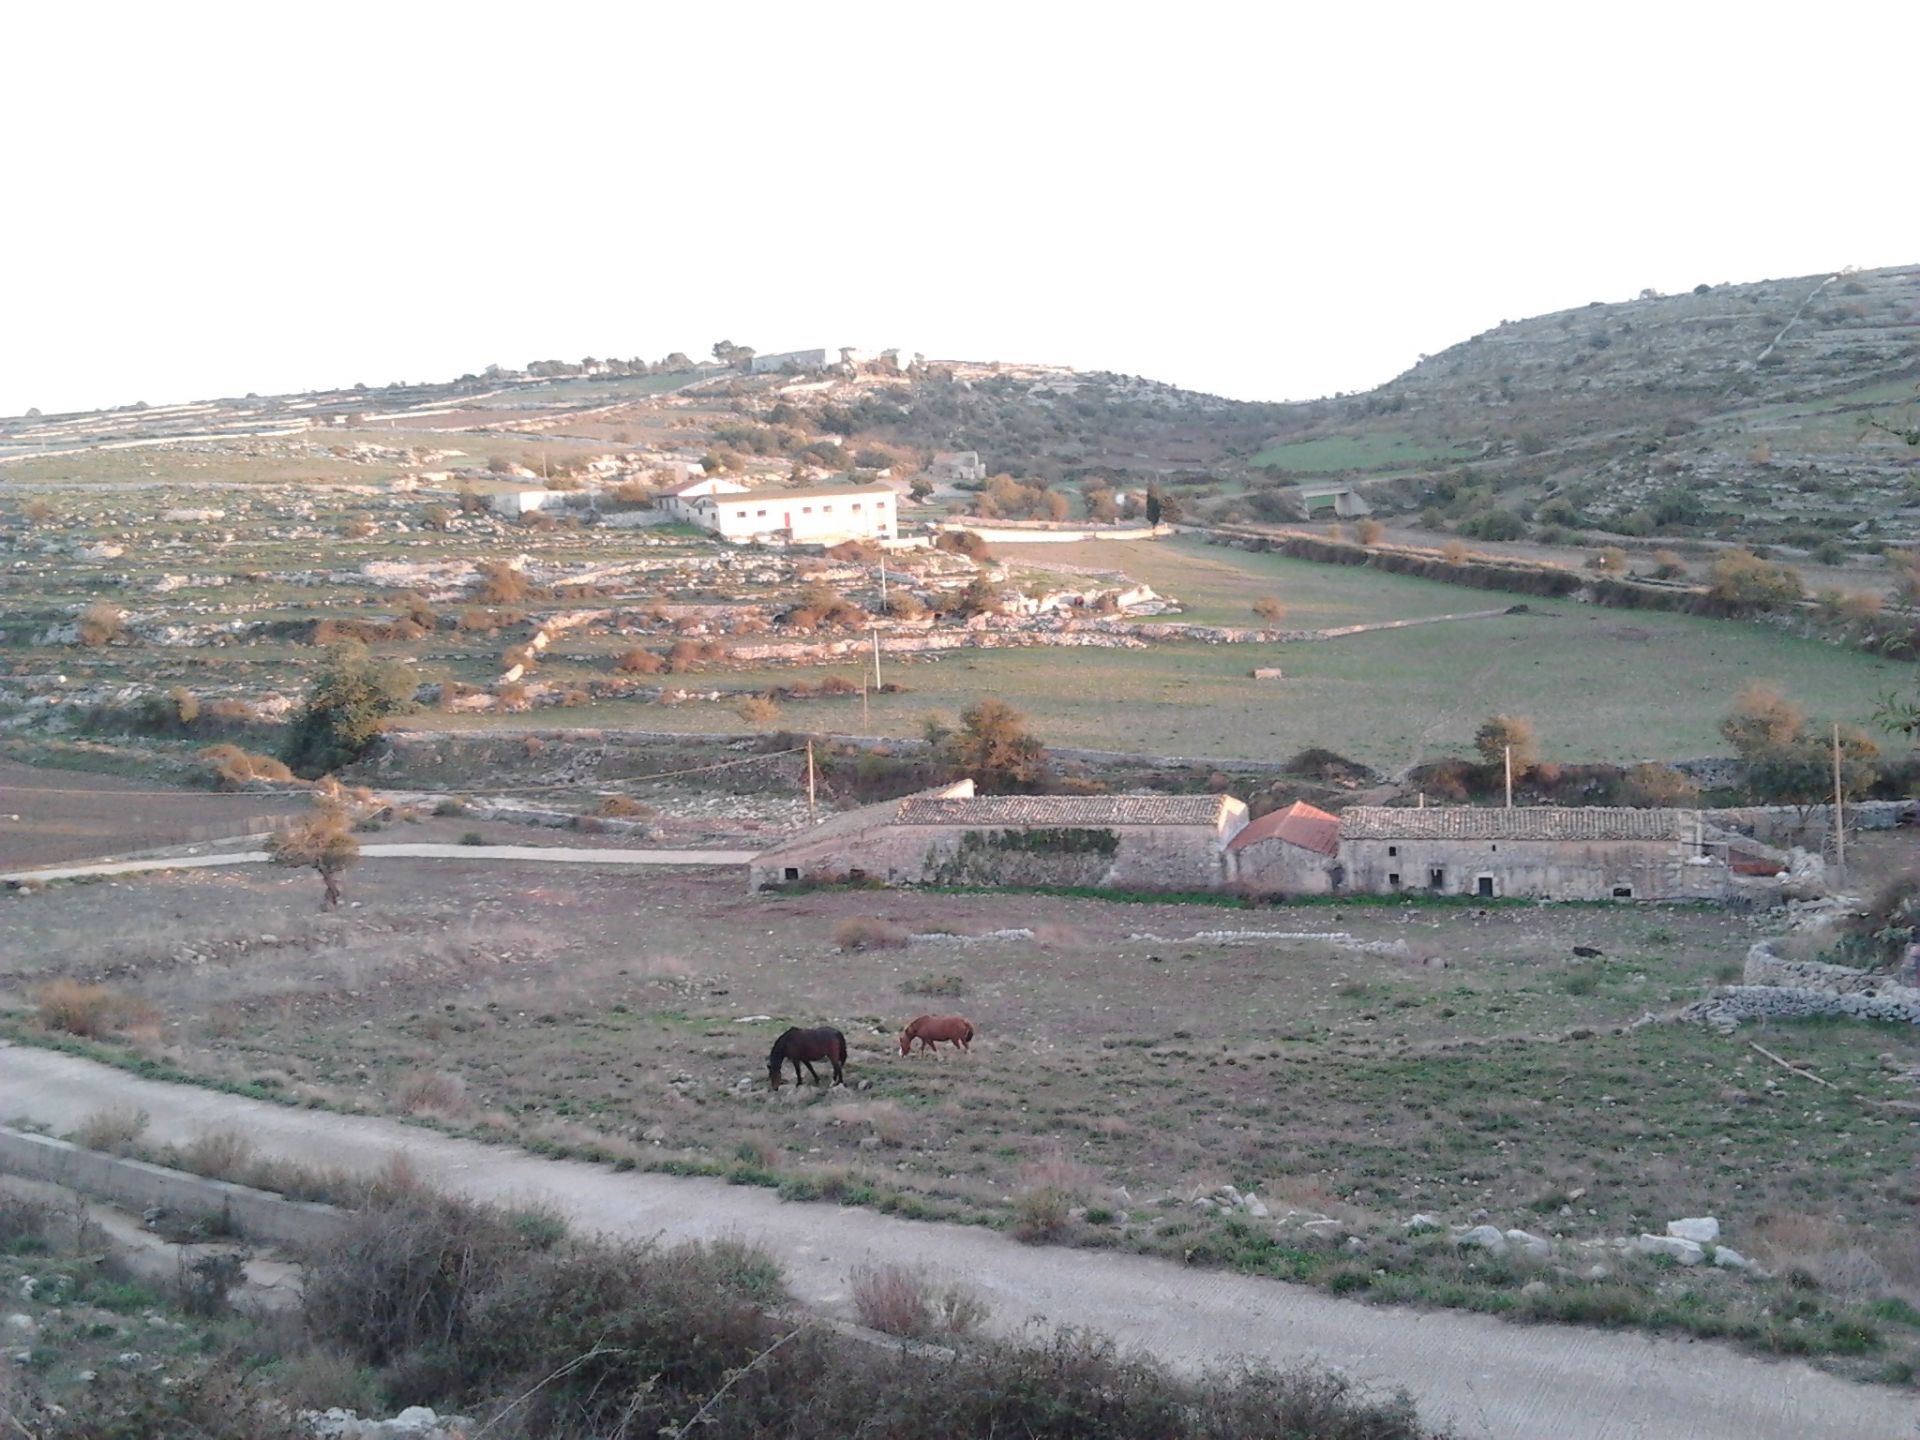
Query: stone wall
{"points": [[1275, 867], [1780, 989], [1553, 870]]}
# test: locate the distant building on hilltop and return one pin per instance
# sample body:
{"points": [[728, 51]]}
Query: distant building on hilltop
{"points": [[795, 360]]}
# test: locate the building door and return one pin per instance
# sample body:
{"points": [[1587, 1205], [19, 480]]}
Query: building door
{"points": [[1484, 887], [1436, 878]]}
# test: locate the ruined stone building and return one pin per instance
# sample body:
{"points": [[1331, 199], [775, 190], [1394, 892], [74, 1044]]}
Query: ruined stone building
{"points": [[950, 836]]}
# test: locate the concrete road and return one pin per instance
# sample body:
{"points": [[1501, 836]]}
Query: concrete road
{"points": [[1488, 1379], [547, 854]]}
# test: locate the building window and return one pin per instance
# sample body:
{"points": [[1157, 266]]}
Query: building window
{"points": [[856, 504], [826, 509], [1436, 878], [1493, 847], [806, 509], [1393, 849], [792, 872], [739, 514], [1484, 886], [759, 514], [1393, 881], [1623, 892]]}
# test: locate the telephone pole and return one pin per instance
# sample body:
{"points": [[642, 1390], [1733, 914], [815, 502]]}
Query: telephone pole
{"points": [[1509, 750], [876, 657], [810, 798], [1839, 815]]}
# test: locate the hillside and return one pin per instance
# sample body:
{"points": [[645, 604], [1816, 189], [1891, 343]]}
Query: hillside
{"points": [[1738, 411]]}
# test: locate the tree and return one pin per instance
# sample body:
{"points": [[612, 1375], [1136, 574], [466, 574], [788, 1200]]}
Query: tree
{"points": [[1499, 734], [1745, 583], [1762, 719], [324, 841], [1652, 786], [352, 697], [1156, 507], [1801, 772], [994, 746]]}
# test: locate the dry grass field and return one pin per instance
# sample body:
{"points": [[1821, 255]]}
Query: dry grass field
{"points": [[1361, 1062]]}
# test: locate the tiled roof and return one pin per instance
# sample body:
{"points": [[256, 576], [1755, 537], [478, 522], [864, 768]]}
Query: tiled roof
{"points": [[1462, 822], [1067, 810], [685, 485], [1299, 824]]}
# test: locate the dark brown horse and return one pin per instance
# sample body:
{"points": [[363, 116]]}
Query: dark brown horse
{"points": [[930, 1029], [799, 1047]]}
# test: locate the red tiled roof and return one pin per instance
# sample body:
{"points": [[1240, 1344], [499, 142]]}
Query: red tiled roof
{"points": [[1299, 824]]}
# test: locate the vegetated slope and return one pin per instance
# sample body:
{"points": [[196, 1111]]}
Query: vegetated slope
{"points": [[1736, 410]]}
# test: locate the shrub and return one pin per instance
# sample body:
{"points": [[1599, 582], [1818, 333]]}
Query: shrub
{"points": [[501, 584], [1041, 1214], [432, 1090], [759, 710], [622, 807], [77, 1008], [472, 837], [230, 766], [1269, 609], [1745, 583], [1654, 786], [1369, 532], [352, 697], [102, 623], [1608, 560], [904, 604], [218, 1155], [640, 662], [868, 933], [944, 985], [963, 542], [113, 1130], [906, 1300]]}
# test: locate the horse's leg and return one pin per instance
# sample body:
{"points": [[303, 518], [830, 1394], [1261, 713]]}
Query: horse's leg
{"points": [[839, 1071], [811, 1071]]}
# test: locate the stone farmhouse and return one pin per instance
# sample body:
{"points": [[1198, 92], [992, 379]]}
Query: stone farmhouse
{"points": [[1586, 853], [676, 498], [951, 467], [820, 515], [1294, 851], [952, 836]]}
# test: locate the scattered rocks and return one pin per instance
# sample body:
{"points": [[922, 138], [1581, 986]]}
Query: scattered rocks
{"points": [[1728, 1259], [1533, 1247], [416, 1422], [1597, 1272], [1685, 1252], [1702, 1231], [1419, 1224], [1483, 1237]]}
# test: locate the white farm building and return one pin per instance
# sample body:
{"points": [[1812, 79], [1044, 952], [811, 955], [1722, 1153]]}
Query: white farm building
{"points": [[820, 515]]}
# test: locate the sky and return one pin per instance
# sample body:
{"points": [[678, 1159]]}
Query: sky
{"points": [[1251, 200]]}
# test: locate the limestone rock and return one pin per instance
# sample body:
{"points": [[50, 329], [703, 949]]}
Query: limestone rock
{"points": [[1728, 1259], [1703, 1230], [1419, 1224], [1686, 1252], [1483, 1237], [1534, 1247]]}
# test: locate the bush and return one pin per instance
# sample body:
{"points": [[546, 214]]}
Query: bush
{"points": [[944, 985], [867, 933], [906, 1300], [232, 767], [1653, 786], [432, 1090], [759, 710], [1269, 610], [640, 662], [501, 584], [963, 542], [472, 837], [1744, 583], [112, 1130], [1041, 1213], [102, 623], [79, 1009], [352, 697]]}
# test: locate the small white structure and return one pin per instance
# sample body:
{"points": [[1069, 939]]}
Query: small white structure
{"points": [[818, 515], [675, 500], [795, 360], [955, 466], [520, 502]]}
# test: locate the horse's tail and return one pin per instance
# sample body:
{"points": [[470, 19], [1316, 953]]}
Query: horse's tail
{"points": [[967, 1025], [840, 1047]]}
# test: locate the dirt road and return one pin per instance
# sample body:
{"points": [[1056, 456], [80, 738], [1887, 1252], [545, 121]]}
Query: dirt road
{"points": [[540, 854], [1489, 1379]]}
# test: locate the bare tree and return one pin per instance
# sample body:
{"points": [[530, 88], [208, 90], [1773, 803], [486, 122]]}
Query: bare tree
{"points": [[324, 841]]}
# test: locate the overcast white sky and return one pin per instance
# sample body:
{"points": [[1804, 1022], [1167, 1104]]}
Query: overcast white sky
{"points": [[207, 199]]}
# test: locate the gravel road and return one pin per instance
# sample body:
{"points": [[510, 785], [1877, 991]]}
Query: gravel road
{"points": [[1489, 1379]]}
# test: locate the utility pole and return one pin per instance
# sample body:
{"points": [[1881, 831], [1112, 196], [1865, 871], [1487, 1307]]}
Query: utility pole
{"points": [[810, 799], [876, 657], [1839, 815], [1509, 750], [883, 582]]}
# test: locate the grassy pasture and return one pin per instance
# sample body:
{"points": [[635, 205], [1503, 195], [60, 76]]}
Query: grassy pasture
{"points": [[1131, 1056], [1368, 450]]}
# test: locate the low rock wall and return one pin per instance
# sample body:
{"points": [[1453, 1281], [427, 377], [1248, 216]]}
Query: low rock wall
{"points": [[1780, 989], [136, 1185]]}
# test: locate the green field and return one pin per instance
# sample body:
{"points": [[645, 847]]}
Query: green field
{"points": [[1600, 684], [1329, 454]]}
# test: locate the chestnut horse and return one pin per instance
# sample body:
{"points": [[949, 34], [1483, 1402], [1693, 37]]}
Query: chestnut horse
{"points": [[930, 1029], [799, 1047]]}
